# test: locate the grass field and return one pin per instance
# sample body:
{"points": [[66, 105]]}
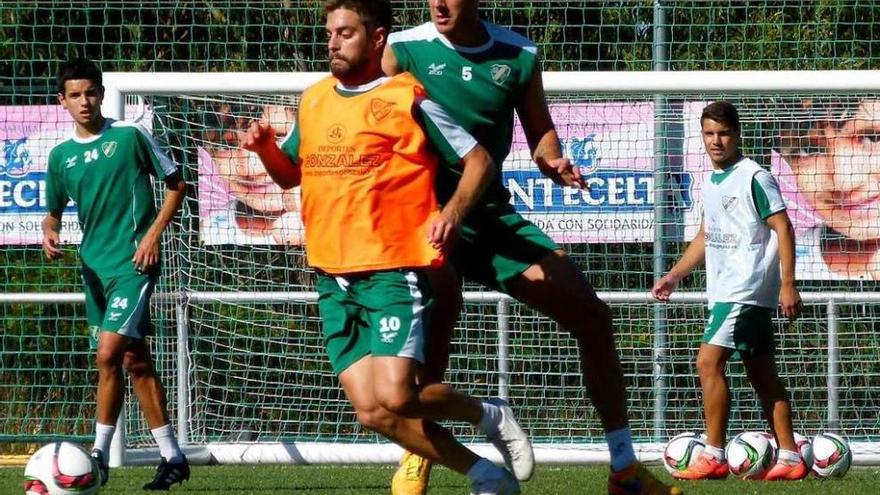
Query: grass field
{"points": [[373, 480]]}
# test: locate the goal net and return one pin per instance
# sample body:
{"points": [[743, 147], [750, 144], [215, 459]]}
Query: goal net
{"points": [[239, 341]]}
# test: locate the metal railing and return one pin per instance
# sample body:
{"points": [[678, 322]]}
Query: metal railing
{"points": [[182, 301]]}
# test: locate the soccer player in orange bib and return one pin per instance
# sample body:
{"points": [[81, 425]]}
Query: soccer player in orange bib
{"points": [[365, 150]]}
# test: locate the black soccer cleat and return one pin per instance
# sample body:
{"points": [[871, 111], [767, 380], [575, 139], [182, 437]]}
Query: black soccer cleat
{"points": [[168, 474], [103, 468]]}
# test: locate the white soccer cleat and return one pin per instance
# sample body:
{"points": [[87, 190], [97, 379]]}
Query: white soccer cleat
{"points": [[513, 443], [501, 482]]}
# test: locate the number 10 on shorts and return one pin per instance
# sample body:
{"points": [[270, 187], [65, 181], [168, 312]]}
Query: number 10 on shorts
{"points": [[388, 328]]}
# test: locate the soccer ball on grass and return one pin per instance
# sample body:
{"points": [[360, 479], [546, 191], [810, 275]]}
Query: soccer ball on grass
{"points": [[61, 468]]}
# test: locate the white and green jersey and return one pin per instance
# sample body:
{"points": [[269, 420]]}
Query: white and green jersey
{"points": [[742, 252], [479, 87], [108, 177]]}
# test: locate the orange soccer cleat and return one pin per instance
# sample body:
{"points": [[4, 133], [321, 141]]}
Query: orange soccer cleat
{"points": [[706, 467], [783, 471]]}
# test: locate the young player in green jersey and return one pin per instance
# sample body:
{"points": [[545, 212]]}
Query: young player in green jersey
{"points": [[105, 169], [747, 242], [460, 58]]}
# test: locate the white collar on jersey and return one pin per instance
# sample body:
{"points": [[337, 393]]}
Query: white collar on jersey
{"points": [[363, 87], [729, 168], [467, 49], [107, 122]]}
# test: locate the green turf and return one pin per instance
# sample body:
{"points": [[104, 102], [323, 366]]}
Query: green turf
{"points": [[370, 480]]}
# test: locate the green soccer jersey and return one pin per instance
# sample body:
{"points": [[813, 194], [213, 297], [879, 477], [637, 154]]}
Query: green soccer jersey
{"points": [[108, 177], [478, 86]]}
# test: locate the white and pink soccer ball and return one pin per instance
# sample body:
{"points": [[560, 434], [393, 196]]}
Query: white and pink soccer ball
{"points": [[832, 455], [61, 468]]}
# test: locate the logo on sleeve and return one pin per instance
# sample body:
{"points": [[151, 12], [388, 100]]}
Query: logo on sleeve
{"points": [[109, 148], [500, 73]]}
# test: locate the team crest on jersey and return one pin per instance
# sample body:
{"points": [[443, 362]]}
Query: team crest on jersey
{"points": [[71, 161], [500, 73], [336, 133], [729, 202], [109, 148], [380, 108]]}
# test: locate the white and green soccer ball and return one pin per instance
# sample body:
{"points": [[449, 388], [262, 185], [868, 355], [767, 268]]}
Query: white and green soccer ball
{"points": [[682, 451], [749, 455]]}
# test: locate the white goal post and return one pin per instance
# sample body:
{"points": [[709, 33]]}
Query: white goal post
{"points": [[648, 331]]}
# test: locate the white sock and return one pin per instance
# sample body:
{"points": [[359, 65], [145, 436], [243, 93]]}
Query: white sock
{"points": [[167, 443], [716, 452], [788, 457], [620, 446], [103, 436], [490, 421], [481, 470]]}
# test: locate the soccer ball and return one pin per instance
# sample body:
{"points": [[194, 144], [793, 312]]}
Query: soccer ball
{"points": [[749, 455], [682, 450], [832, 455], [804, 447], [770, 438], [61, 468]]}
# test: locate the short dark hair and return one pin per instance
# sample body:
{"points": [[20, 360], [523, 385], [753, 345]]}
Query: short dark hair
{"points": [[723, 112], [374, 13], [79, 68]]}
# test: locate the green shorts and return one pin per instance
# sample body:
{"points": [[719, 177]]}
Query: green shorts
{"points": [[495, 248], [118, 304], [746, 329], [377, 313]]}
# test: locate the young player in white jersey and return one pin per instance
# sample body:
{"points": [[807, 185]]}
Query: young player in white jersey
{"points": [[105, 169], [747, 242]]}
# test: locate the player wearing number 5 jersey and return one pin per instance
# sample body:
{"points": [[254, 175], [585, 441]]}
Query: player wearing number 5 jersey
{"points": [[482, 74], [105, 169], [365, 150]]}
